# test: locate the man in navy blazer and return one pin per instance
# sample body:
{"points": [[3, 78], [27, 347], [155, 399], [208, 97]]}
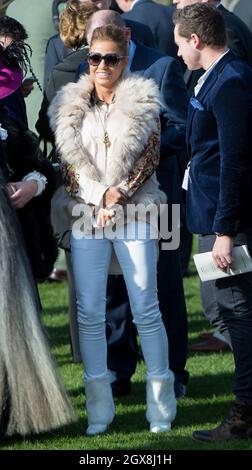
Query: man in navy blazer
{"points": [[239, 40], [167, 73], [219, 184]]}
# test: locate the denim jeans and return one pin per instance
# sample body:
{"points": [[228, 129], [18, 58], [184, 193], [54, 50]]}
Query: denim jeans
{"points": [[138, 261]]}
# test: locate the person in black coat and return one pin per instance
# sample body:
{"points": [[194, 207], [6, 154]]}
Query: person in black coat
{"points": [[27, 175], [25, 172]]}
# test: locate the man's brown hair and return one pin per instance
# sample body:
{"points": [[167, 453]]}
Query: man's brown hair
{"points": [[205, 21]]}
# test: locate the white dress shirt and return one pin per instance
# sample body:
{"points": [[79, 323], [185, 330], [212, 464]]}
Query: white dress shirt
{"points": [[205, 75]]}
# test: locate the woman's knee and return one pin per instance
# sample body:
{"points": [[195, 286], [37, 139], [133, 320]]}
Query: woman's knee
{"points": [[146, 313], [90, 313]]}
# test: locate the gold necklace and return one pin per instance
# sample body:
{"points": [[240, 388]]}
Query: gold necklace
{"points": [[106, 139]]}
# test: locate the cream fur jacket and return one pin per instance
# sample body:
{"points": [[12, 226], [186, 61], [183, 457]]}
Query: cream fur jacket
{"points": [[137, 106]]}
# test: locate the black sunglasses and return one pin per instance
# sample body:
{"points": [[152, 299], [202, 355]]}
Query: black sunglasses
{"points": [[111, 60]]}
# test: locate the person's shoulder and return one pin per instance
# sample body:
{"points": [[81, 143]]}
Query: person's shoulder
{"points": [[240, 70], [136, 24], [167, 60], [166, 65], [149, 6], [236, 75], [54, 39], [233, 21], [164, 61], [168, 9], [149, 52], [71, 61]]}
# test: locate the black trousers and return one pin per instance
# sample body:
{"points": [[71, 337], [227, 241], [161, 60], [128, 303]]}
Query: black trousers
{"points": [[208, 293], [234, 301]]}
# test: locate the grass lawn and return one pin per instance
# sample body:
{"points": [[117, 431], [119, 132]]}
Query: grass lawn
{"points": [[208, 399]]}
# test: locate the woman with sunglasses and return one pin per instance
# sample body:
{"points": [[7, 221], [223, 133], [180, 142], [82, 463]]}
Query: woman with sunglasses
{"points": [[107, 134]]}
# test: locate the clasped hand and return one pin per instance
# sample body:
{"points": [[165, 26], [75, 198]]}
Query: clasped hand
{"points": [[24, 191], [112, 196]]}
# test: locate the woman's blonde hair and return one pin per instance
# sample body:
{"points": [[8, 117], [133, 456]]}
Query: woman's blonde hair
{"points": [[73, 21], [113, 33]]}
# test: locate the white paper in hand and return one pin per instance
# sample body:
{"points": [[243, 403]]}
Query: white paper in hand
{"points": [[208, 271]]}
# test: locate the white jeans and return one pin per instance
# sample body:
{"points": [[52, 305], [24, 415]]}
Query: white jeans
{"points": [[138, 261]]}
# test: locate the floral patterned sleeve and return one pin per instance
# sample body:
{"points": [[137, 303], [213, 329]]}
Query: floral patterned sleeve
{"points": [[143, 169], [70, 178], [145, 165]]}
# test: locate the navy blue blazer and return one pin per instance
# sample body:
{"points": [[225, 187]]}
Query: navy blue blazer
{"points": [[167, 73], [219, 140], [55, 53]]}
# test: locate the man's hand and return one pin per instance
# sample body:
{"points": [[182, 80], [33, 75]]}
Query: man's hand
{"points": [[222, 252], [25, 191], [113, 196]]}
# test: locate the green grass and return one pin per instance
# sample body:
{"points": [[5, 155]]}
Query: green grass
{"points": [[209, 392]]}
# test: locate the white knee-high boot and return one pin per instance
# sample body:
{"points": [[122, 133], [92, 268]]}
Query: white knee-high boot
{"points": [[100, 405], [161, 402]]}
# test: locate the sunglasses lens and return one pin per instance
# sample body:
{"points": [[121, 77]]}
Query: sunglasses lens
{"points": [[111, 60], [95, 59]]}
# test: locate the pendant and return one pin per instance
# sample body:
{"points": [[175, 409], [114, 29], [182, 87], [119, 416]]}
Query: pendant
{"points": [[106, 140]]}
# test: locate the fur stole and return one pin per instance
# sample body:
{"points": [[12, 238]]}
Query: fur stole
{"points": [[137, 106], [137, 112]]}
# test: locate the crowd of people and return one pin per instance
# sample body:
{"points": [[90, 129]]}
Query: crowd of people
{"points": [[145, 117]]}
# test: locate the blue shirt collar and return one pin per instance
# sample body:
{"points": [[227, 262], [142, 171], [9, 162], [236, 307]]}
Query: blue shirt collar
{"points": [[131, 55]]}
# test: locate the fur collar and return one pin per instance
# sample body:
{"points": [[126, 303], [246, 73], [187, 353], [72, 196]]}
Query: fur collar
{"points": [[137, 101]]}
